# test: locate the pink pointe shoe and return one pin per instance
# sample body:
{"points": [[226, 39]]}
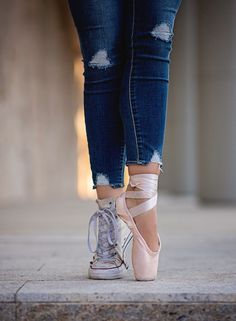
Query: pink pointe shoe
{"points": [[144, 260]]}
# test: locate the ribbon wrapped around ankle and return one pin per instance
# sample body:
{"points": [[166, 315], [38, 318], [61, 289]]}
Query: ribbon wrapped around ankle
{"points": [[148, 184]]}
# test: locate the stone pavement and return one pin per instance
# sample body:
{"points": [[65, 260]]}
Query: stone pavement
{"points": [[44, 260]]}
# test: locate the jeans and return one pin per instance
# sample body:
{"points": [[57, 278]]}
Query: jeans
{"points": [[125, 47]]}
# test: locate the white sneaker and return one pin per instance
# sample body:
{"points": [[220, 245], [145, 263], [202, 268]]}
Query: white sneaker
{"points": [[112, 237]]}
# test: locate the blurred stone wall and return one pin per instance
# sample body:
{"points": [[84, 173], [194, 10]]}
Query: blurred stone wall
{"points": [[181, 140], [38, 101], [200, 149], [217, 100], [37, 104]]}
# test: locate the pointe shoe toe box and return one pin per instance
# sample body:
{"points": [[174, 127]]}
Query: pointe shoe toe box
{"points": [[145, 264]]}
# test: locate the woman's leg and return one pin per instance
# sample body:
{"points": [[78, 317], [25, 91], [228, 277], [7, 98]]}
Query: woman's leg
{"points": [[100, 27], [144, 94]]}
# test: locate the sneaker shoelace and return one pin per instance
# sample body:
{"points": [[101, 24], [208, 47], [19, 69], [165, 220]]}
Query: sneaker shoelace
{"points": [[106, 238]]}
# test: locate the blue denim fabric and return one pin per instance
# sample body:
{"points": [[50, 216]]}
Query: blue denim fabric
{"points": [[125, 46]]}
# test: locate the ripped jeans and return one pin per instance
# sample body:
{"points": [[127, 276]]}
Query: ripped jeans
{"points": [[125, 46]]}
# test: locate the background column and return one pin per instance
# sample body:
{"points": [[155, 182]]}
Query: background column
{"points": [[217, 105], [180, 151]]}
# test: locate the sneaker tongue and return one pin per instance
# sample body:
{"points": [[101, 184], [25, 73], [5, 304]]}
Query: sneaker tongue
{"points": [[103, 229]]}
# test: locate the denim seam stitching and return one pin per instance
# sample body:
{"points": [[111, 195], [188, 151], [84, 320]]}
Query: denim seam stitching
{"points": [[131, 67], [122, 158]]}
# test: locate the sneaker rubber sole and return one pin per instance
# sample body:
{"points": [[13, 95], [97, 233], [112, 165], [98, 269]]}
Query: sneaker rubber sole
{"points": [[107, 274]]}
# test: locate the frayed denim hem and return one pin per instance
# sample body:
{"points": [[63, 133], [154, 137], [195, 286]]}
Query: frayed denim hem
{"points": [[115, 185], [114, 179]]}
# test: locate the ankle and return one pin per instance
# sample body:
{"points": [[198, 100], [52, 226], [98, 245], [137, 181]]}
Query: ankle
{"points": [[150, 168], [105, 202]]}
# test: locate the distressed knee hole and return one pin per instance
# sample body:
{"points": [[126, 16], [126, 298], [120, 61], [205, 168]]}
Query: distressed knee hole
{"points": [[100, 60], [102, 179], [162, 31]]}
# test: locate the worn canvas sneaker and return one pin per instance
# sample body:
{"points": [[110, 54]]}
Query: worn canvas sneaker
{"points": [[113, 237]]}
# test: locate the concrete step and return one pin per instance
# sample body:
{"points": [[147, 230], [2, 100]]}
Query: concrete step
{"points": [[44, 277], [165, 299]]}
